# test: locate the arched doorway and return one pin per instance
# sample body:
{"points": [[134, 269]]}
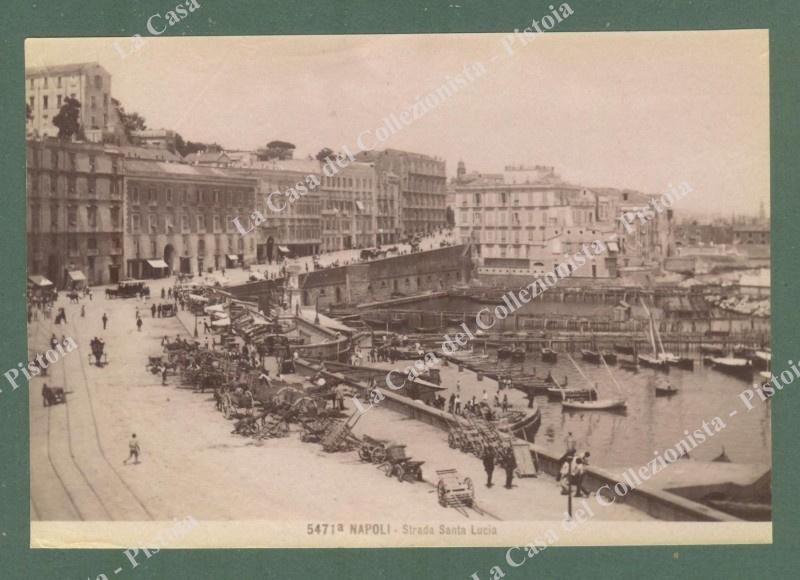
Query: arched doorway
{"points": [[270, 248], [169, 256]]}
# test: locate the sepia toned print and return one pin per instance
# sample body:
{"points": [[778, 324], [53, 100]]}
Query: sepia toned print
{"points": [[399, 290]]}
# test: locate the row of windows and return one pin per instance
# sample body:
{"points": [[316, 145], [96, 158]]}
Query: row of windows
{"points": [[152, 195], [68, 160], [49, 184], [165, 223], [72, 217], [358, 183], [45, 81]]}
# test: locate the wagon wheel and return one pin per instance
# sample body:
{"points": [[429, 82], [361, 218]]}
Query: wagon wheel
{"points": [[363, 453], [441, 490], [378, 455], [401, 472], [388, 469], [478, 448], [451, 441], [306, 405]]}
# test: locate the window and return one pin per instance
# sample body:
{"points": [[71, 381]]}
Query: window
{"points": [[98, 82], [58, 101], [168, 224], [30, 102], [134, 195], [91, 185], [54, 159], [91, 216], [105, 100], [93, 102], [72, 162], [153, 223], [184, 223], [169, 195], [58, 82], [35, 217], [151, 196], [115, 214], [153, 248], [91, 243], [201, 223], [54, 217], [44, 102], [72, 216], [217, 224]]}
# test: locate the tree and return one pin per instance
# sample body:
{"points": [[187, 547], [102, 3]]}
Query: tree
{"points": [[324, 154], [68, 119], [276, 150], [130, 121]]}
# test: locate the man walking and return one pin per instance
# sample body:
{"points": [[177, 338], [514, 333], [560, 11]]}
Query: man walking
{"points": [[488, 465], [139, 324], [153, 311], [134, 450], [509, 464], [105, 320]]}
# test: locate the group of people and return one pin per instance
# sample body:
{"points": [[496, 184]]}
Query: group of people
{"points": [[159, 310], [505, 459], [474, 407], [573, 468]]}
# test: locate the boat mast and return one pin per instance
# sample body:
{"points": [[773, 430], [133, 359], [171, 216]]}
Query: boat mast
{"points": [[613, 378], [650, 327], [591, 386]]}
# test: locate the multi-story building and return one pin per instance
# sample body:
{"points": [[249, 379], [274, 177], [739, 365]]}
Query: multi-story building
{"points": [[423, 187], [349, 207], [527, 220], [155, 138], [75, 211], [751, 234], [180, 218], [295, 230], [46, 88]]}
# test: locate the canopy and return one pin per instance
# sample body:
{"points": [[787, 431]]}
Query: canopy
{"points": [[214, 308], [76, 276], [283, 249], [222, 322], [612, 246], [198, 298], [157, 264], [40, 281], [233, 257], [359, 205]]}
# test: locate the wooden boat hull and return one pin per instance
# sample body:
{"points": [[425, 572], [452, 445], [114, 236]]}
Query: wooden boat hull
{"points": [[623, 349], [742, 371], [595, 356], [664, 392], [598, 405], [556, 394], [525, 428], [653, 363], [549, 355]]}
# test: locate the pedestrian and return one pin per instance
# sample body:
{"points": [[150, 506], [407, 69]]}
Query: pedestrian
{"points": [[577, 472], [564, 478], [91, 294], [83, 311], [458, 387], [45, 395], [509, 464], [505, 402], [488, 465], [133, 449], [153, 310], [105, 320], [451, 403], [571, 445], [169, 293], [137, 312], [139, 324], [164, 375], [163, 294], [159, 309], [458, 404]]}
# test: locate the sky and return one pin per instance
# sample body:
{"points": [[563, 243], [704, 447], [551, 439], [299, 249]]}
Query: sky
{"points": [[637, 110]]}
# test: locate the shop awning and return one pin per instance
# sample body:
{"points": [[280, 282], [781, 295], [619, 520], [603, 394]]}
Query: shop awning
{"points": [[40, 281], [233, 257], [198, 298], [613, 246], [76, 276], [214, 308], [359, 205], [157, 264], [283, 249], [222, 322]]}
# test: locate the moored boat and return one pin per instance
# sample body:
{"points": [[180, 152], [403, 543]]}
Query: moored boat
{"points": [[738, 367], [665, 389], [549, 355], [624, 349], [598, 405]]}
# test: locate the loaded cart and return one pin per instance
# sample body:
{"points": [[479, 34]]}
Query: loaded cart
{"points": [[453, 490]]}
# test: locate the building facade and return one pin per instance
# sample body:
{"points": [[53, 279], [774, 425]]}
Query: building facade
{"points": [[423, 188], [180, 218], [295, 229], [350, 207], [46, 88], [75, 211]]}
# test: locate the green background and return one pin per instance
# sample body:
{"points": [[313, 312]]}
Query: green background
{"points": [[39, 18]]}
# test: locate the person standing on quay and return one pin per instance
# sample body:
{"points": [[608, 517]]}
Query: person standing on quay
{"points": [[133, 448], [488, 465], [509, 464], [153, 310], [105, 320], [139, 324]]}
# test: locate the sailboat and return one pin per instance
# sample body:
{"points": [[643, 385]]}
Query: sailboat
{"points": [[598, 404], [660, 359]]}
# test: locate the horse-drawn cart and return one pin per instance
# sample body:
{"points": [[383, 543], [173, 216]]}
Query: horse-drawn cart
{"points": [[399, 464]]}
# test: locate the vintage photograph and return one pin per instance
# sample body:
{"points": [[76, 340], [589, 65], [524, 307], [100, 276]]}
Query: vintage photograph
{"points": [[399, 290]]}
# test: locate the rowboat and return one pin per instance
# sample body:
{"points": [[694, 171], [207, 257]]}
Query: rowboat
{"points": [[653, 362], [549, 355], [738, 367], [594, 356], [562, 394], [761, 359], [712, 350], [524, 425], [629, 364], [665, 389], [598, 405]]}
